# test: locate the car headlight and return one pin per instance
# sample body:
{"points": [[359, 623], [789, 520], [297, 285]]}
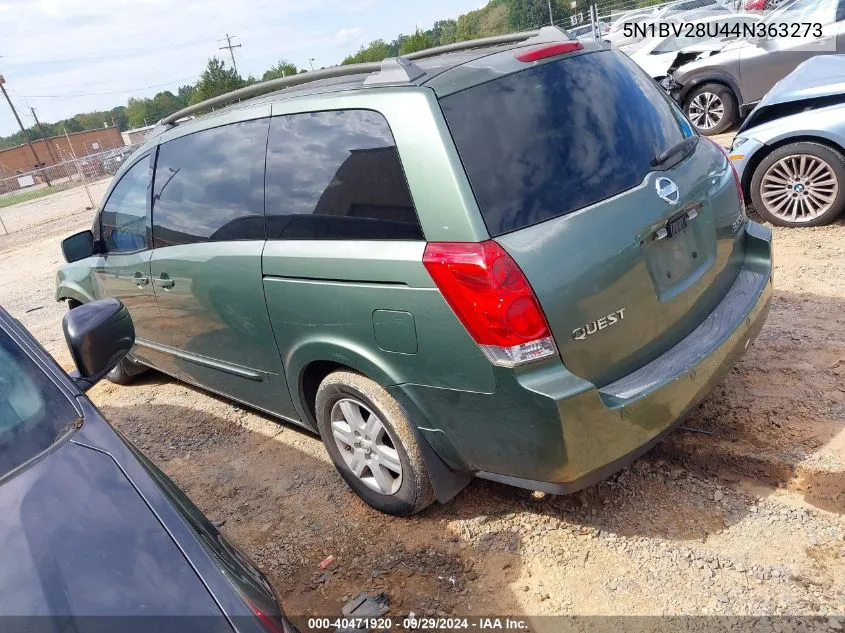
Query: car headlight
{"points": [[735, 152], [738, 142]]}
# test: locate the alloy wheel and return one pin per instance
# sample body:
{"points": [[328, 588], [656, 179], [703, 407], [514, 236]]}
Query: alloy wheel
{"points": [[366, 446], [799, 188], [706, 110]]}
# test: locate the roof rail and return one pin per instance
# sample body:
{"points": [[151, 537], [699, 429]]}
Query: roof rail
{"points": [[391, 70], [273, 84]]}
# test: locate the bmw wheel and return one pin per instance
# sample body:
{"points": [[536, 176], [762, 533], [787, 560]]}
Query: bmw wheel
{"points": [[800, 184], [370, 441], [711, 108]]}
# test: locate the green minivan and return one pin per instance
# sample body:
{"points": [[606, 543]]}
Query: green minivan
{"points": [[511, 259]]}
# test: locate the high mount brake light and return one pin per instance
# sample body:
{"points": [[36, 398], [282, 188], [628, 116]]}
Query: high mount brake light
{"points": [[492, 298], [550, 50]]}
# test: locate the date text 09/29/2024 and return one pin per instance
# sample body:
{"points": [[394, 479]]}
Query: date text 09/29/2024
{"points": [[423, 623], [716, 30]]}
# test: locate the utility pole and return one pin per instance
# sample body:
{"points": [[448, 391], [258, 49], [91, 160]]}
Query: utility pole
{"points": [[311, 61], [23, 131], [44, 136], [551, 17], [231, 48]]}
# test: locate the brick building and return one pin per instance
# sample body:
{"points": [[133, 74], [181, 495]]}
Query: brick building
{"points": [[56, 149]]}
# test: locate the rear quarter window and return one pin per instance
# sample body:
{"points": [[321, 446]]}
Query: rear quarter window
{"points": [[557, 137], [337, 175]]}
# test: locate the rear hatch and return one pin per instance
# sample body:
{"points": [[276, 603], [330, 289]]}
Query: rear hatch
{"points": [[626, 256]]}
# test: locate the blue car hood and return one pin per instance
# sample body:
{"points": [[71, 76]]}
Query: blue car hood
{"points": [[77, 539]]}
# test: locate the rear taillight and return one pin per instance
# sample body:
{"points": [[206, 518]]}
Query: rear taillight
{"points": [[550, 50], [492, 298], [738, 186], [270, 622], [735, 173]]}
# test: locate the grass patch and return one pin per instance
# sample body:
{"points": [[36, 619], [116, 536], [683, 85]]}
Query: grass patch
{"points": [[25, 196]]}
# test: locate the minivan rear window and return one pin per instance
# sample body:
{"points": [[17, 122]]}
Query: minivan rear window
{"points": [[557, 137]]}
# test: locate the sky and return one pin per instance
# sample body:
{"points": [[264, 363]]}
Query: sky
{"points": [[63, 57]]}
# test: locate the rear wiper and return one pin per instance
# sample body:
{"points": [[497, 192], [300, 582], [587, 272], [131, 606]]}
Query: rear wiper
{"points": [[683, 147]]}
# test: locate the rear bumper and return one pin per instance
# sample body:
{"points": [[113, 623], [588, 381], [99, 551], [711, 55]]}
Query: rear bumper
{"points": [[546, 429]]}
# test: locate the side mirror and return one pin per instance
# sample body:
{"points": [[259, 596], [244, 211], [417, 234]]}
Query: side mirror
{"points": [[78, 246], [99, 334]]}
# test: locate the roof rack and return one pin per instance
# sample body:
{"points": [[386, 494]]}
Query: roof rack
{"points": [[390, 70]]}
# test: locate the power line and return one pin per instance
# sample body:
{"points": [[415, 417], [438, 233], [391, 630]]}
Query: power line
{"points": [[102, 83], [111, 92], [16, 95], [231, 48]]}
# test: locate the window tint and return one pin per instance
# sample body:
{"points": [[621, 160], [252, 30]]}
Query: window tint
{"points": [[337, 175], [545, 141], [209, 186], [123, 221], [33, 412]]}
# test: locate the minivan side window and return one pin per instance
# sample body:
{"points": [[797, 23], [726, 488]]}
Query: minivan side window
{"points": [[337, 175], [209, 186], [123, 220]]}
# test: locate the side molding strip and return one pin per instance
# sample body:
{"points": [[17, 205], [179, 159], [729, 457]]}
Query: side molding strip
{"points": [[235, 370]]}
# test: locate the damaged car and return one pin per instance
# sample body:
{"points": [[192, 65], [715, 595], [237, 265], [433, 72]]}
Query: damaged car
{"points": [[718, 86], [634, 28], [657, 55], [790, 151]]}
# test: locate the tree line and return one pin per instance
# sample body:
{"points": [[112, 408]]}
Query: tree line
{"points": [[496, 18]]}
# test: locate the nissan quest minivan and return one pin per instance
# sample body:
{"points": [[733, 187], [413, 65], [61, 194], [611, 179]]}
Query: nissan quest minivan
{"points": [[511, 259]]}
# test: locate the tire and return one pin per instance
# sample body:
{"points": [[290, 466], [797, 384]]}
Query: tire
{"points": [[812, 166], [704, 103], [387, 435], [125, 371]]}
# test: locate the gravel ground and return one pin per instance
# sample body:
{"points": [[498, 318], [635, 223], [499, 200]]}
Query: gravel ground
{"points": [[742, 515]]}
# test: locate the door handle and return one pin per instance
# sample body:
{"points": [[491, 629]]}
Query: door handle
{"points": [[140, 280], [165, 281]]}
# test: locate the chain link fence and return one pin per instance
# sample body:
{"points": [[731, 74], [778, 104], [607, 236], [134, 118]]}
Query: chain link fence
{"points": [[17, 186]]}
